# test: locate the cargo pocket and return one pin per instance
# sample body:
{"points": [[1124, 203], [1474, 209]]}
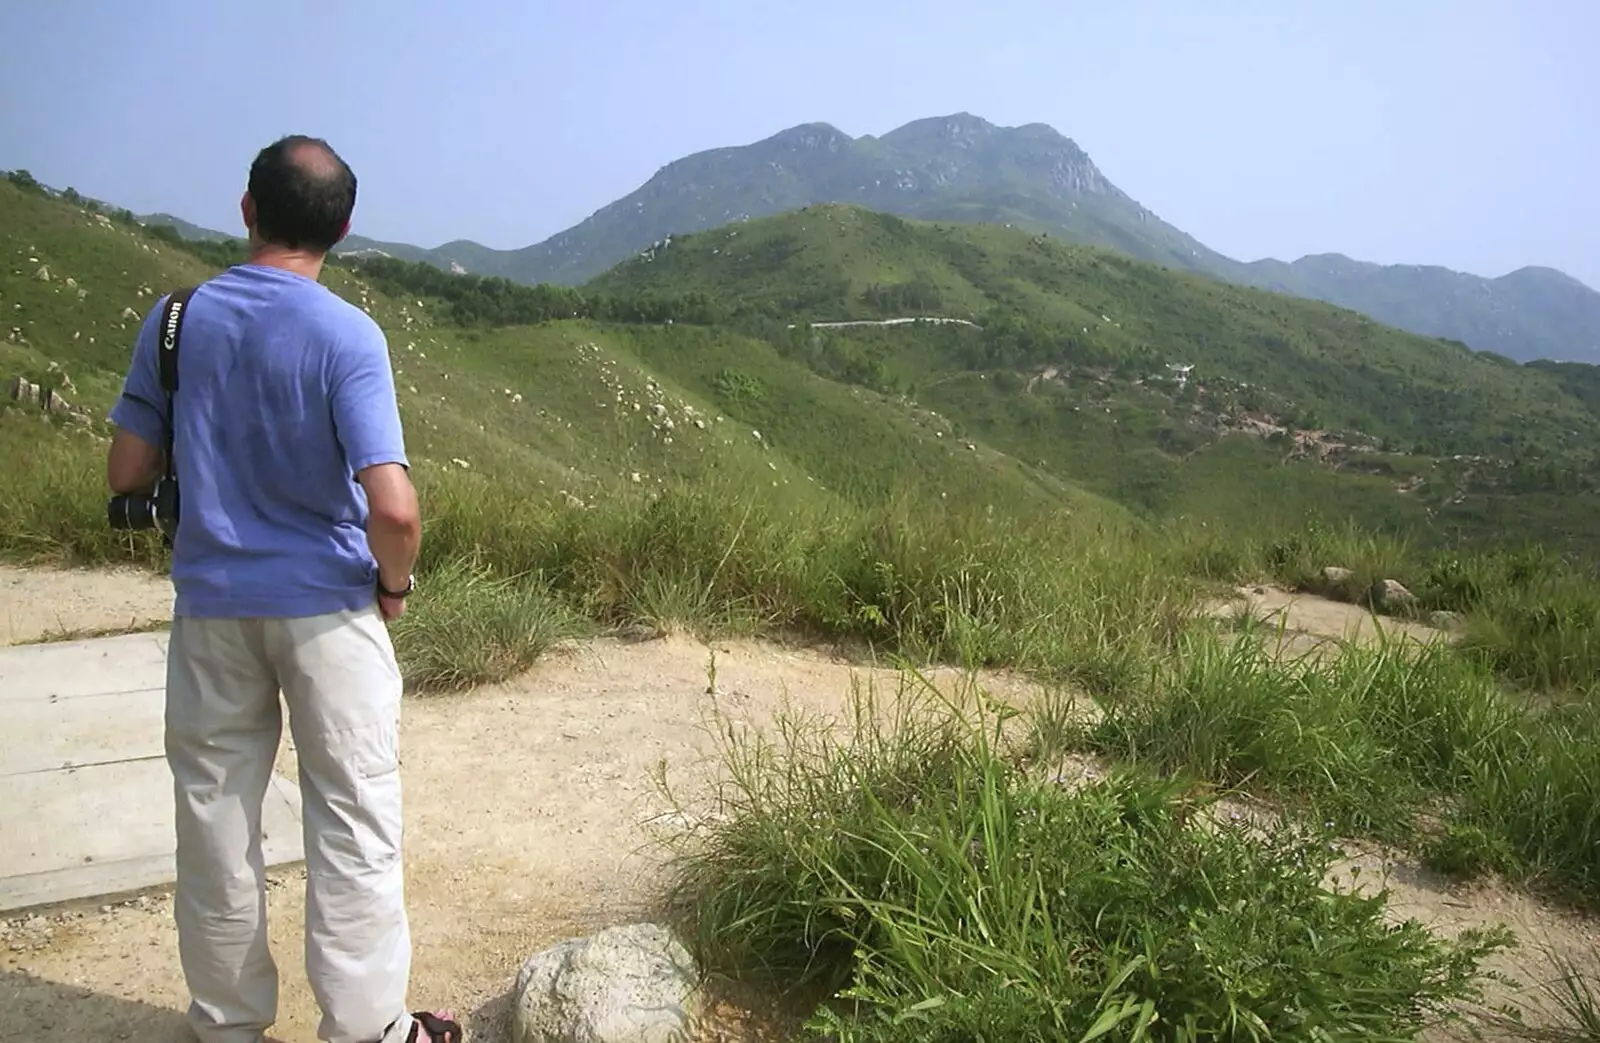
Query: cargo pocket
{"points": [[378, 796]]}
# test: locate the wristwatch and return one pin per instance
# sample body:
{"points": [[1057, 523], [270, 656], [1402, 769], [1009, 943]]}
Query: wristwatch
{"points": [[411, 584]]}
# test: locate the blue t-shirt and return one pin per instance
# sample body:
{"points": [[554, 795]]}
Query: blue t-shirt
{"points": [[284, 393]]}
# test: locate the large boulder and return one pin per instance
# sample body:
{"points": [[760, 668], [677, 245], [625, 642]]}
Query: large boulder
{"points": [[1389, 595], [632, 984]]}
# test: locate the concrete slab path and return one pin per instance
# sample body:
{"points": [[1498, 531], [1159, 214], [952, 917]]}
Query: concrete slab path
{"points": [[85, 792]]}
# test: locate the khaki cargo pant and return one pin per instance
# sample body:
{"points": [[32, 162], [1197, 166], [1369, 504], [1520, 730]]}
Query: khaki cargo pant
{"points": [[338, 677]]}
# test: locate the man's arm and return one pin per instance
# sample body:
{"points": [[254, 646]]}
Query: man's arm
{"points": [[366, 415], [132, 465], [134, 461], [394, 522]]}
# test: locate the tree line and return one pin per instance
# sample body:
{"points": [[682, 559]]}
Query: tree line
{"points": [[483, 300]]}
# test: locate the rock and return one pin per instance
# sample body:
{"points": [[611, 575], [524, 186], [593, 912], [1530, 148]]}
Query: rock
{"points": [[636, 632], [1444, 620], [53, 402], [24, 390], [632, 984], [129, 313], [1336, 576], [71, 281], [1388, 595], [43, 274]]}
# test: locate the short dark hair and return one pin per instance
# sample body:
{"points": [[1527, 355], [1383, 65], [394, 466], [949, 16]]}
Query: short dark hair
{"points": [[302, 199]]}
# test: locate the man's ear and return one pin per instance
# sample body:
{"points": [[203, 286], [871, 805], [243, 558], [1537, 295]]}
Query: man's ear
{"points": [[247, 210], [343, 232]]}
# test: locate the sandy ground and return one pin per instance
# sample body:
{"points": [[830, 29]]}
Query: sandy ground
{"points": [[524, 810], [43, 605]]}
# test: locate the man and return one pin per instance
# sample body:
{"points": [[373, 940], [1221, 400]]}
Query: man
{"points": [[297, 534]]}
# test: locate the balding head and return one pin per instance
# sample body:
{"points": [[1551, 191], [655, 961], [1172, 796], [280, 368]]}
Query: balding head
{"points": [[303, 194]]}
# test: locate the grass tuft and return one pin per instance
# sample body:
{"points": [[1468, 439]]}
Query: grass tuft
{"points": [[471, 626]]}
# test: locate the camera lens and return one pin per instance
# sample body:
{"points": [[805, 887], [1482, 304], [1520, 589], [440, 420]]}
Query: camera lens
{"points": [[130, 512]]}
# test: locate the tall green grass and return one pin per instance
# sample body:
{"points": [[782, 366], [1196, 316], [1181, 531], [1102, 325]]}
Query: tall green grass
{"points": [[927, 581], [1526, 612], [919, 876], [924, 579], [53, 499], [1379, 740]]}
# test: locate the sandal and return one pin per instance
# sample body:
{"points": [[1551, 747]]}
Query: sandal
{"points": [[438, 1029]]}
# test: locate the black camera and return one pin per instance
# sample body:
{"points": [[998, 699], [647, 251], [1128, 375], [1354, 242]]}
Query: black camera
{"points": [[158, 510]]}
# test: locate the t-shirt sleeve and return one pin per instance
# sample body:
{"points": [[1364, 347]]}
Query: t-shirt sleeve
{"points": [[366, 413], [142, 406]]}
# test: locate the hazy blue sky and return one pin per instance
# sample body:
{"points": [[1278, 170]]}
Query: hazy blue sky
{"points": [[1455, 132]]}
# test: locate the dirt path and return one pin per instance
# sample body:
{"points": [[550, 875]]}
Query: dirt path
{"points": [[1315, 625], [524, 805], [42, 605]]}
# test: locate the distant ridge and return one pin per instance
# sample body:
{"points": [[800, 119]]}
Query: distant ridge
{"points": [[961, 167]]}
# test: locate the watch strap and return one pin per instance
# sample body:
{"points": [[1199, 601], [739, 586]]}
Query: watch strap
{"points": [[411, 584]]}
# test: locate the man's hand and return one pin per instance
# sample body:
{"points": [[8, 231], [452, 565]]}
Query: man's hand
{"points": [[392, 608]]}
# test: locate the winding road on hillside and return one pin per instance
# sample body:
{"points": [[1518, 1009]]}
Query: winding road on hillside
{"points": [[906, 321]]}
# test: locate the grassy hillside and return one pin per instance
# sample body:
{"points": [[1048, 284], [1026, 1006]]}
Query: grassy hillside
{"points": [[1475, 440], [832, 263], [580, 407]]}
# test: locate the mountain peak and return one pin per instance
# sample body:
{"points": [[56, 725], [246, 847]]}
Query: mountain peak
{"points": [[1534, 274], [811, 136], [960, 128]]}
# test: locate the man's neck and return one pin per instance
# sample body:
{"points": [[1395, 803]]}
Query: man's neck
{"points": [[304, 263]]}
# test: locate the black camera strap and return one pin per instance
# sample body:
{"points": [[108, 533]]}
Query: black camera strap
{"points": [[167, 356]]}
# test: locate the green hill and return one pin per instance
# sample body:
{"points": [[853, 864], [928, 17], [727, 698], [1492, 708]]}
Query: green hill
{"points": [[1045, 302], [1067, 365], [572, 408]]}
